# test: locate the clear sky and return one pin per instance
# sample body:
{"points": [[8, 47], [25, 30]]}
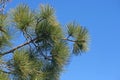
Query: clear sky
{"points": [[102, 18]]}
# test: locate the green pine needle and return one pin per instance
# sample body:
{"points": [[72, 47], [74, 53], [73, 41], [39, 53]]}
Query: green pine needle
{"points": [[81, 43], [23, 17], [3, 76]]}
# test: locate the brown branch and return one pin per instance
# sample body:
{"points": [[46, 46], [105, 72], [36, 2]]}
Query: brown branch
{"points": [[12, 50]]}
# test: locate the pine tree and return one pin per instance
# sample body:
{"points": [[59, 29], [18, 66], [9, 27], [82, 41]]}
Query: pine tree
{"points": [[46, 49]]}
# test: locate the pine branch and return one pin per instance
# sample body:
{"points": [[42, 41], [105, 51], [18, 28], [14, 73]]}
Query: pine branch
{"points": [[5, 72], [73, 40], [2, 30], [12, 50]]}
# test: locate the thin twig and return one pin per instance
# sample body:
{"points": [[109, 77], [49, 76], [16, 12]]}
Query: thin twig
{"points": [[73, 40], [5, 72]]}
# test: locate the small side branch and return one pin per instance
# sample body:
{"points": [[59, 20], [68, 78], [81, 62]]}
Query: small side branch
{"points": [[12, 50], [73, 40], [5, 72]]}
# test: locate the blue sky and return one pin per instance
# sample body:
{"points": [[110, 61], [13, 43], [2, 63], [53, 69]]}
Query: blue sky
{"points": [[102, 18]]}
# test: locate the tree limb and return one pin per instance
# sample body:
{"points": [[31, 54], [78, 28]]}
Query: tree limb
{"points": [[28, 42], [12, 50], [5, 72]]}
